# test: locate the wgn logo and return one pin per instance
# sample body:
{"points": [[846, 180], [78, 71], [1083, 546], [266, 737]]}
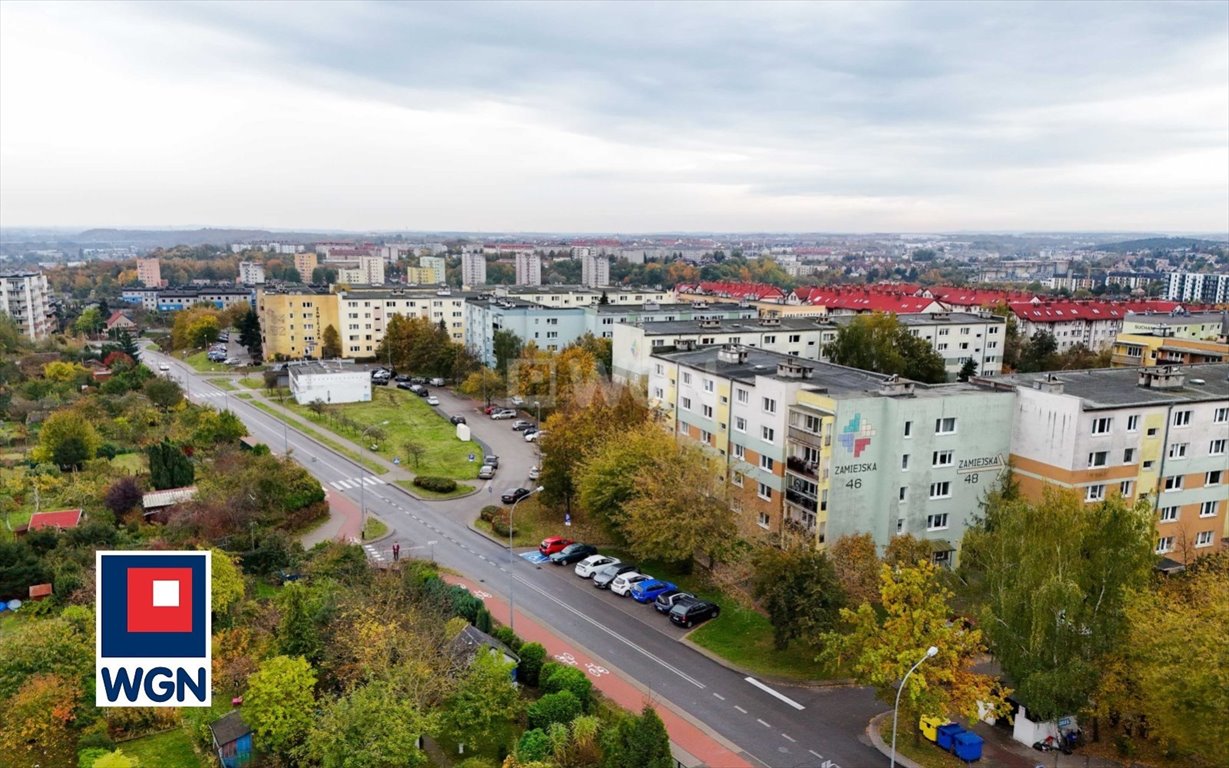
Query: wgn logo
{"points": [[153, 629]]}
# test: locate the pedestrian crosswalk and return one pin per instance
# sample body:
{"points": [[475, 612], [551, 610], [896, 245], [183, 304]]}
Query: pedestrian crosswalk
{"points": [[354, 483], [207, 395], [373, 553]]}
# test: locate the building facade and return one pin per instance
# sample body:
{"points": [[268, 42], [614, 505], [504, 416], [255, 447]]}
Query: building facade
{"points": [[251, 273], [961, 336], [305, 263], [149, 272], [473, 269], [1200, 326], [26, 298], [329, 382], [528, 268], [1143, 350], [363, 270], [1198, 287], [594, 269]]}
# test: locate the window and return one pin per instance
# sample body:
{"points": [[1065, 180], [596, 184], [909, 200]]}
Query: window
{"points": [[941, 490], [772, 339], [1148, 465], [686, 403], [762, 519], [900, 525], [768, 434], [1169, 514], [1125, 488], [908, 429], [1221, 416], [740, 424], [936, 522], [736, 478], [766, 462], [1164, 544], [1101, 426], [739, 451], [1095, 493], [707, 410], [1207, 509], [1212, 478], [1128, 455], [742, 395], [686, 377], [1133, 423], [1151, 431], [709, 385], [1204, 539], [1216, 447], [902, 493], [770, 405], [764, 492], [904, 463], [945, 426], [1098, 458], [795, 338], [1173, 483], [1182, 418], [1177, 451]]}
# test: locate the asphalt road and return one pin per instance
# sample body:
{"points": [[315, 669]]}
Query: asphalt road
{"points": [[774, 725]]}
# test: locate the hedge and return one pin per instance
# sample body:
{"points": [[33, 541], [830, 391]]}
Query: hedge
{"points": [[437, 484]]}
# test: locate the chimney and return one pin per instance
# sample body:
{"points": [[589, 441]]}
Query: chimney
{"points": [[731, 353], [710, 322], [1161, 377], [1051, 384], [892, 386], [793, 370], [770, 322]]}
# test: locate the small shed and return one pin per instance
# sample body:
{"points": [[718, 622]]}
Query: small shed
{"points": [[62, 519], [232, 740], [471, 640], [40, 591], [156, 504]]}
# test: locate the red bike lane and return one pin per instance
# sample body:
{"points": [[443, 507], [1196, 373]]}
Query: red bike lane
{"points": [[706, 747]]}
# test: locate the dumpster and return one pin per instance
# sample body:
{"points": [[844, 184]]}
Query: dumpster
{"points": [[967, 746], [929, 724], [945, 735]]}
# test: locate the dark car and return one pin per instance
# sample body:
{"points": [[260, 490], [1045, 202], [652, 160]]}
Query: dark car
{"points": [[573, 553], [689, 612], [418, 380], [666, 600], [603, 576], [401, 377], [457, 419], [400, 384], [514, 495], [422, 392]]}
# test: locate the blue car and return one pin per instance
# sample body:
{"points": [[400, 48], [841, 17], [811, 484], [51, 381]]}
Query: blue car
{"points": [[648, 590]]}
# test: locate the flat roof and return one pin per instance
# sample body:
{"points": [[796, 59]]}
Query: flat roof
{"points": [[325, 366], [409, 292], [735, 325], [1118, 387], [939, 318], [681, 306], [1165, 318]]}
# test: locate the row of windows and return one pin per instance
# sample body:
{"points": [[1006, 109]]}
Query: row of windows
{"points": [[1104, 424], [1166, 543], [1170, 514]]}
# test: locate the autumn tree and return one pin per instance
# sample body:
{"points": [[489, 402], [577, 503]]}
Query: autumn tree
{"points": [[857, 567], [67, 439], [916, 615], [330, 343], [280, 703], [226, 582], [370, 727], [484, 701], [195, 328], [799, 589], [164, 393], [607, 478], [879, 342], [906, 550], [123, 496], [37, 721]]}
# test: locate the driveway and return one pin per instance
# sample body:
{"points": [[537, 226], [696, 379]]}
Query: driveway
{"points": [[516, 456]]}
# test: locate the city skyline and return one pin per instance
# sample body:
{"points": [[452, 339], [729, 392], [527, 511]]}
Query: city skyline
{"points": [[628, 118]]}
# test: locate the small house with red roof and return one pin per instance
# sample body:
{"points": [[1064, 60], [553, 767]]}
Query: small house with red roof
{"points": [[118, 321], [62, 519]]}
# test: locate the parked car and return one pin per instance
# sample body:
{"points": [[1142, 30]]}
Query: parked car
{"points": [[572, 553], [667, 600], [532, 437], [491, 459], [415, 388], [486, 472], [419, 380], [623, 583], [457, 419], [552, 544], [517, 400], [514, 495], [164, 367], [647, 591], [422, 392], [400, 385], [590, 565], [233, 361], [433, 400], [436, 382], [534, 473], [520, 425], [491, 409], [381, 372], [603, 576], [689, 612], [506, 413], [401, 377]]}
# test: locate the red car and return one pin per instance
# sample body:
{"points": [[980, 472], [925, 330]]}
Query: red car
{"points": [[553, 544]]}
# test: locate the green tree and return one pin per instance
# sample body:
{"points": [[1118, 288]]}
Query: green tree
{"points": [[878, 342], [799, 589], [249, 332], [968, 370], [1040, 353], [90, 322], [414, 451], [507, 347], [128, 345], [483, 702], [371, 727], [169, 467], [225, 582], [67, 439], [1054, 577], [648, 744], [557, 707], [607, 478], [297, 632], [330, 343], [280, 704], [164, 393]]}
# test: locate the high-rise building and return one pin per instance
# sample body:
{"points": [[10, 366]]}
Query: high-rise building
{"points": [[594, 270], [24, 296], [149, 272], [251, 273], [528, 268], [437, 265], [473, 269], [364, 270], [1201, 287], [305, 264]]}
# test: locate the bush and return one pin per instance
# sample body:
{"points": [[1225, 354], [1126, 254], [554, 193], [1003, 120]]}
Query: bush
{"points": [[529, 670], [559, 707], [534, 746], [489, 512], [506, 636], [561, 678], [500, 523], [483, 622], [436, 484], [86, 757]]}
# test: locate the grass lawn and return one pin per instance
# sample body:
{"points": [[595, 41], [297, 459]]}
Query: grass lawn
{"points": [[252, 382], [201, 362], [531, 523], [172, 749], [132, 462], [374, 529], [408, 418], [226, 384], [461, 490], [244, 395], [379, 469]]}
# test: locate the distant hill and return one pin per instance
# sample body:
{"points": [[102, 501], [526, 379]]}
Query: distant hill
{"points": [[1158, 244], [166, 238]]}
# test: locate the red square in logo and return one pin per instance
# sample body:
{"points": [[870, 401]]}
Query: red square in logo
{"points": [[159, 599]]}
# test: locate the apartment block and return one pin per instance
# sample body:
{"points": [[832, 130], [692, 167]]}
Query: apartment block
{"points": [[305, 263], [362, 270], [594, 269], [550, 328], [251, 273], [149, 272], [1198, 287], [473, 269], [958, 337], [579, 296], [1144, 350], [1158, 433], [25, 297], [1198, 326], [528, 268]]}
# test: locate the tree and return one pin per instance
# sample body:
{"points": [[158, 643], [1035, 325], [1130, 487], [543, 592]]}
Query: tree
{"points": [[878, 342], [37, 721], [116, 759], [637, 742], [164, 393], [967, 370], [195, 328], [607, 479], [1039, 353], [89, 322], [128, 346], [483, 383], [857, 567], [799, 589], [225, 582], [414, 451], [249, 332], [484, 700], [906, 550], [122, 496], [169, 467], [67, 439], [506, 346], [330, 343], [20, 566], [280, 703], [1054, 577], [916, 608], [557, 707], [371, 727], [297, 633]]}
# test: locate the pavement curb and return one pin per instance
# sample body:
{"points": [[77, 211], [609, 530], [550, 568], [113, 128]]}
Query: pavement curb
{"points": [[391, 531], [872, 732]]}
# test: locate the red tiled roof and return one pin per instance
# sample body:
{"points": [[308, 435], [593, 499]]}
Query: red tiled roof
{"points": [[734, 290], [64, 518], [1066, 311]]}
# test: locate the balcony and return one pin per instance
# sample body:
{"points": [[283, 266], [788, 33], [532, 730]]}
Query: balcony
{"points": [[800, 435], [803, 467], [801, 501]]}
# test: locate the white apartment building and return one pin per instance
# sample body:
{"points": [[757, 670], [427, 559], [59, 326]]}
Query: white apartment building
{"points": [[363, 315], [251, 273], [528, 268], [1094, 324], [473, 269], [960, 336], [365, 270], [594, 269], [577, 296], [438, 266], [25, 297], [1198, 326], [1202, 287], [149, 273]]}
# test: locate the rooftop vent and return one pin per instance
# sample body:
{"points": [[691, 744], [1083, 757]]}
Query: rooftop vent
{"points": [[892, 386], [729, 353], [1049, 384], [685, 345], [701, 305], [792, 370], [1161, 377], [770, 322], [710, 322]]}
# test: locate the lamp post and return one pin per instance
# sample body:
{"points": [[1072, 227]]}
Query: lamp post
{"points": [[511, 577], [362, 489], [538, 405], [931, 651]]}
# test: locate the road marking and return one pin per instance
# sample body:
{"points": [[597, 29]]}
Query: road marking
{"points": [[771, 692], [761, 722], [718, 695], [789, 738], [740, 709], [813, 752]]}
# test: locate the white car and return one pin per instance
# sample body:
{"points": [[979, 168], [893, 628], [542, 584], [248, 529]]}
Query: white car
{"points": [[504, 414], [433, 400], [534, 473], [532, 437], [586, 567], [164, 367], [622, 585]]}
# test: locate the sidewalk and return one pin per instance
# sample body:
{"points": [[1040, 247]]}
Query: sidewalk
{"points": [[706, 747], [344, 522]]}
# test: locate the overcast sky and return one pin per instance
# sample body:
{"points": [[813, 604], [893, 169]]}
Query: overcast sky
{"points": [[625, 117]]}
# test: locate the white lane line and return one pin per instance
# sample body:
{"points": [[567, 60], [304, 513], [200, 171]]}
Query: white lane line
{"points": [[335, 484], [771, 692], [789, 738], [761, 722], [740, 709], [718, 695], [813, 752]]}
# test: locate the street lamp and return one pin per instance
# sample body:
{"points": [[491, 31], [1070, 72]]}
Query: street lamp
{"points": [[931, 651], [538, 405], [511, 577], [362, 489]]}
